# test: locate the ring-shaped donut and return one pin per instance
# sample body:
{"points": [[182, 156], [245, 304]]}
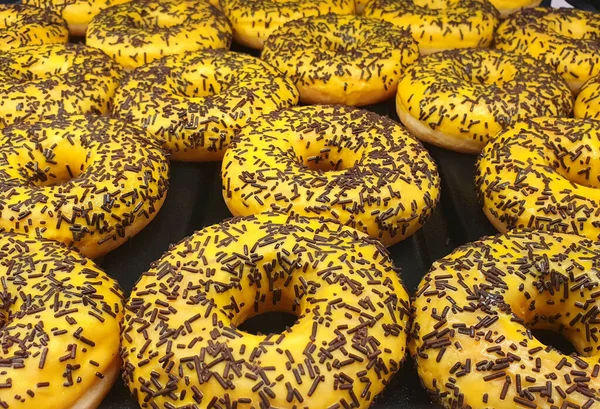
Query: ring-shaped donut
{"points": [[475, 310], [55, 79], [253, 21], [141, 31], [458, 99], [338, 162], [183, 316], [438, 25], [541, 174], [22, 26], [194, 103], [567, 39], [336, 59], [60, 321], [587, 104], [89, 182]]}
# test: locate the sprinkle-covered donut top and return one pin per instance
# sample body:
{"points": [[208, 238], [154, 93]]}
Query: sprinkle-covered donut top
{"points": [[474, 314], [194, 103], [87, 181], [139, 32], [542, 174], [587, 104], [182, 346], [343, 163], [55, 79], [567, 39], [23, 25], [59, 324]]}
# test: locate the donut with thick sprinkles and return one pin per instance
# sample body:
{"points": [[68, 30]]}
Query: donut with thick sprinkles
{"points": [[438, 25], [59, 327], [195, 103], [139, 32], [182, 346], [475, 310], [567, 39], [86, 181], [338, 162], [347, 60], [253, 21], [22, 26], [587, 104], [458, 99], [541, 174], [55, 79]]}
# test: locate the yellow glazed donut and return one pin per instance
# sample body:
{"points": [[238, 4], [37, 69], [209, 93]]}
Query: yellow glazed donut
{"points": [[458, 99], [338, 162], [474, 312], [541, 174], [566, 39], [21, 26], [253, 21], [587, 104], [181, 322], [77, 13], [141, 31], [59, 326], [438, 25], [346, 60], [55, 79], [196, 102], [86, 181]]}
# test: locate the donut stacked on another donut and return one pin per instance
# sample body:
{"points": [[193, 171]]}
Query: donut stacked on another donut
{"points": [[55, 79], [438, 25], [181, 323], [59, 326], [458, 99], [587, 104], [141, 31], [566, 39], [21, 26], [474, 312], [337, 162], [86, 181], [336, 59], [194, 103], [77, 13], [253, 21]]}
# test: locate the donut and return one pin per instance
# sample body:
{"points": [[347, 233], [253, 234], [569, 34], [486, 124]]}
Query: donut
{"points": [[567, 39], [354, 166], [89, 182], [541, 174], [194, 103], [141, 31], [474, 312], [336, 59], [55, 79], [587, 104], [77, 13], [360, 5], [451, 24], [181, 322], [458, 99], [60, 326], [22, 26], [253, 21]]}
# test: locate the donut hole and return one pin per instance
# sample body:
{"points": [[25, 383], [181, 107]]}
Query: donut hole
{"points": [[488, 73], [554, 339], [575, 159], [40, 68], [153, 19], [329, 152], [272, 322], [432, 4], [197, 82]]}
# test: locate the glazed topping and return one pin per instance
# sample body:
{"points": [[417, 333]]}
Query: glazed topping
{"points": [[194, 103], [139, 32], [338, 162], [182, 347], [53, 79], [59, 329], [475, 310], [587, 104], [23, 25], [540, 174], [91, 182]]}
